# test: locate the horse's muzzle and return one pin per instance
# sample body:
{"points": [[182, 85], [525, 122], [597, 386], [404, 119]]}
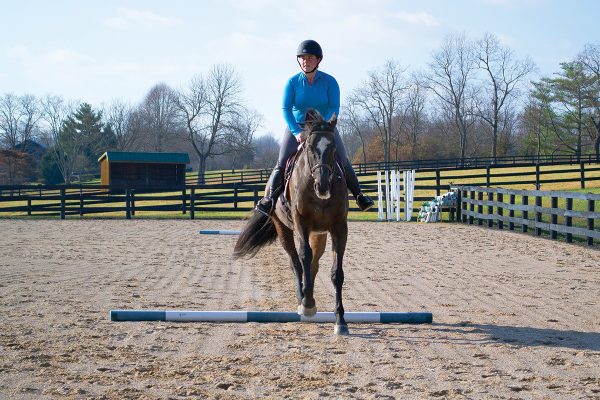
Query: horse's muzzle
{"points": [[323, 192]]}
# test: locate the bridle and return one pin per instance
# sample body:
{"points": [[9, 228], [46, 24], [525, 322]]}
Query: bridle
{"points": [[321, 127]]}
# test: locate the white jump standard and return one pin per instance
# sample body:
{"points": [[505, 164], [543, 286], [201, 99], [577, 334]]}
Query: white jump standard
{"points": [[269, 316]]}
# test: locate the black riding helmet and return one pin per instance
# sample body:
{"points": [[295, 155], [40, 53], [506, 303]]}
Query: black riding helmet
{"points": [[309, 47]]}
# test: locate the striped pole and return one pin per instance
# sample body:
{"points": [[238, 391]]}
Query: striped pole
{"points": [[388, 202], [379, 197], [219, 232], [269, 316]]}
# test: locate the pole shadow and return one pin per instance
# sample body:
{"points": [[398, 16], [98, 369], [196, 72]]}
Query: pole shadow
{"points": [[471, 333]]}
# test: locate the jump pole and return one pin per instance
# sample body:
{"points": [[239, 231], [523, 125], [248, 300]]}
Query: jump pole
{"points": [[219, 232], [269, 316]]}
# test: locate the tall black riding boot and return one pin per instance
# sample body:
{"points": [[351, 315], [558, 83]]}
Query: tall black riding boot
{"points": [[363, 201], [274, 188]]}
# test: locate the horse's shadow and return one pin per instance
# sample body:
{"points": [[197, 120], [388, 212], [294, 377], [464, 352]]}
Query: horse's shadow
{"points": [[470, 333]]}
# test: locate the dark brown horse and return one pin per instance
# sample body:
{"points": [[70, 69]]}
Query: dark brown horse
{"points": [[317, 204]]}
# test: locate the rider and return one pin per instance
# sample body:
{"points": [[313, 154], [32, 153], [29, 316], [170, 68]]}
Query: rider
{"points": [[309, 89]]}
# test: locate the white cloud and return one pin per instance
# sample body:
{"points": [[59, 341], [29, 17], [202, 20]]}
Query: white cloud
{"points": [[418, 18], [130, 18]]}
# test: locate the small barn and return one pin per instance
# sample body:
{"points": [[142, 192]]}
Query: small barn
{"points": [[140, 169]]}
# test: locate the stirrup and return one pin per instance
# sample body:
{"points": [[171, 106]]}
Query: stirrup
{"points": [[265, 209], [364, 202]]}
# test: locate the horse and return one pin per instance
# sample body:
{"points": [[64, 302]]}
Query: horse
{"points": [[316, 203]]}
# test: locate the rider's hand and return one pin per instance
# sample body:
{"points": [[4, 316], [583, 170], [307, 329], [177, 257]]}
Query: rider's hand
{"points": [[299, 138]]}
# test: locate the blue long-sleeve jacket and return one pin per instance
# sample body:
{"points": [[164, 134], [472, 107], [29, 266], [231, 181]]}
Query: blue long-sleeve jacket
{"points": [[323, 95]]}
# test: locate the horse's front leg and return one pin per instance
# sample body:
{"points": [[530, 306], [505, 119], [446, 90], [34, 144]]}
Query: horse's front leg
{"points": [[338, 239], [286, 236], [308, 307]]}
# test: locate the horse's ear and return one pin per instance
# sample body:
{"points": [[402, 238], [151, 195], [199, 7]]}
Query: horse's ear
{"points": [[333, 120]]}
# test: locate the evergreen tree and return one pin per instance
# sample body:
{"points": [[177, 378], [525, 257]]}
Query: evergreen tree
{"points": [[567, 108], [85, 128], [49, 170]]}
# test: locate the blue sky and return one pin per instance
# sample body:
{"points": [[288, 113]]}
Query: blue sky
{"points": [[98, 51]]}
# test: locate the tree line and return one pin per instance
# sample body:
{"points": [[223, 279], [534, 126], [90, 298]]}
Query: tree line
{"points": [[473, 98], [206, 118]]}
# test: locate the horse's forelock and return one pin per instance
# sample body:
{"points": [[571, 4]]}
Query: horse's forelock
{"points": [[320, 127], [313, 116]]}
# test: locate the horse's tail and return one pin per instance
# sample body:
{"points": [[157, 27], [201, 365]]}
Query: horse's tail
{"points": [[258, 232]]}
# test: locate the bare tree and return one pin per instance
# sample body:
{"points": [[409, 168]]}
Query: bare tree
{"points": [[590, 58], [126, 123], [380, 99], [55, 112], [399, 127], [356, 122], [159, 113], [415, 115], [210, 108], [18, 118], [503, 76], [450, 78], [267, 151], [240, 140]]}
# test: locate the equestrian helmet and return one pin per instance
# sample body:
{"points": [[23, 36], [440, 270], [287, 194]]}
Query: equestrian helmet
{"points": [[309, 47]]}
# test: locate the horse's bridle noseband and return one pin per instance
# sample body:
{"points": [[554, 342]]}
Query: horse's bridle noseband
{"points": [[322, 127]]}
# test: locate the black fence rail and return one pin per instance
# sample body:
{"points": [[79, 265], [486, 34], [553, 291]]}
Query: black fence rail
{"points": [[261, 175], [474, 162], [233, 176], [69, 200], [555, 213], [79, 200], [440, 180]]}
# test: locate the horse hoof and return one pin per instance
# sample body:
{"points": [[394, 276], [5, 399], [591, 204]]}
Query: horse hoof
{"points": [[307, 312], [341, 330]]}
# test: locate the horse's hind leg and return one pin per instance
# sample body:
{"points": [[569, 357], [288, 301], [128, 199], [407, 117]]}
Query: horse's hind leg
{"points": [[338, 239]]}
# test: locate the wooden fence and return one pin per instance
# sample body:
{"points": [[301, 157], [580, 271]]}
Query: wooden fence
{"points": [[261, 175], [79, 200], [476, 162], [234, 176], [553, 212]]}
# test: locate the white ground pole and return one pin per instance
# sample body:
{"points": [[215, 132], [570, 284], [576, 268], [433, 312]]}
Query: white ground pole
{"points": [[219, 232], [379, 198], [269, 316]]}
